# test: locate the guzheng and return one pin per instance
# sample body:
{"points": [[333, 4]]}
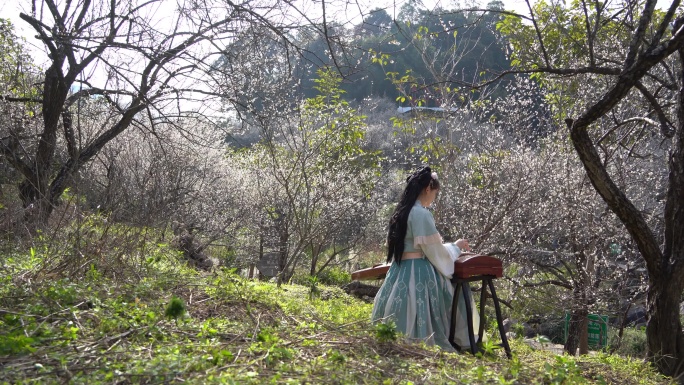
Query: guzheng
{"points": [[371, 273], [467, 265]]}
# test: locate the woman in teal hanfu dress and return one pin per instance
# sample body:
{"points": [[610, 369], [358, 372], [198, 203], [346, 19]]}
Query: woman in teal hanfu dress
{"points": [[417, 292]]}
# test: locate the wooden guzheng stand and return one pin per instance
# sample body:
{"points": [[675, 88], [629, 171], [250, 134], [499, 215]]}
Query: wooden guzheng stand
{"points": [[467, 268]]}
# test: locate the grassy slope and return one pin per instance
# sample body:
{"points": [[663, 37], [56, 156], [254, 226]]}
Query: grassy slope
{"points": [[97, 330]]}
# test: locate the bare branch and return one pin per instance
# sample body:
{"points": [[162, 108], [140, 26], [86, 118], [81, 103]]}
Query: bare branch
{"points": [[665, 23], [547, 282], [638, 36], [93, 91], [590, 33], [539, 34], [629, 77], [40, 28], [615, 198], [8, 149], [21, 100], [665, 126]]}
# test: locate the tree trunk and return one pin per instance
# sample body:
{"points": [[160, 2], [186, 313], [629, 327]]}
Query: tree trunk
{"points": [[584, 336], [577, 330], [43, 184], [578, 321], [623, 323], [664, 329], [665, 267], [34, 190], [315, 252], [283, 239]]}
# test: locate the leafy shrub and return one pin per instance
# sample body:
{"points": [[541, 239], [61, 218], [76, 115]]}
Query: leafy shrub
{"points": [[633, 343], [552, 326], [300, 277], [314, 291], [13, 339], [330, 276], [175, 309], [386, 331], [334, 275], [563, 371]]}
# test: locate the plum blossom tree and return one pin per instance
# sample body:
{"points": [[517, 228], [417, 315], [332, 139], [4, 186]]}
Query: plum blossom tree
{"points": [[139, 60], [313, 183], [614, 74]]}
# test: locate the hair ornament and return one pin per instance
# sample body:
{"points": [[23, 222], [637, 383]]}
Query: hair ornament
{"points": [[421, 173]]}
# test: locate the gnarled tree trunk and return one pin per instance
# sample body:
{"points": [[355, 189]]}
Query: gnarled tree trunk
{"points": [[664, 329], [666, 272], [665, 267], [578, 323]]}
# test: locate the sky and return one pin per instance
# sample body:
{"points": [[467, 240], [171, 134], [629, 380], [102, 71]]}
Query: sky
{"points": [[347, 12], [341, 9]]}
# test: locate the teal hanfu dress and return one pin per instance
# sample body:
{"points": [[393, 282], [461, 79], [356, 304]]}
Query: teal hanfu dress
{"points": [[417, 293]]}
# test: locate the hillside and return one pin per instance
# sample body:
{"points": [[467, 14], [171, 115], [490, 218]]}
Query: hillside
{"points": [[223, 328]]}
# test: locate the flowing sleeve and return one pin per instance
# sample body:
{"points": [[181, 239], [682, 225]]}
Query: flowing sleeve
{"points": [[426, 237]]}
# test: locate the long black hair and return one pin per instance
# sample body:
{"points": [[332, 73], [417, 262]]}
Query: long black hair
{"points": [[415, 183]]}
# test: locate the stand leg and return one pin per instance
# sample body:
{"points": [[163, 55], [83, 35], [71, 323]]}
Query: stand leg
{"points": [[495, 299], [469, 320], [483, 300], [454, 305]]}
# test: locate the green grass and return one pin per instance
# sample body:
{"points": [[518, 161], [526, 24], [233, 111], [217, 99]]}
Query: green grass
{"points": [[175, 325]]}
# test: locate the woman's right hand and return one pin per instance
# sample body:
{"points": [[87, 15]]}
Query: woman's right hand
{"points": [[463, 245]]}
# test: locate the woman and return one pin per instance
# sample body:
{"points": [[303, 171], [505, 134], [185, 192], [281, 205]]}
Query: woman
{"points": [[417, 292]]}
